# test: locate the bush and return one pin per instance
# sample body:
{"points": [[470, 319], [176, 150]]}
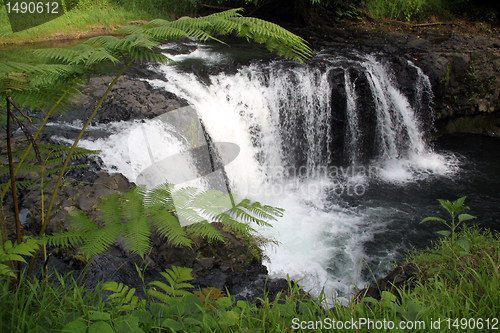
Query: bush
{"points": [[405, 10]]}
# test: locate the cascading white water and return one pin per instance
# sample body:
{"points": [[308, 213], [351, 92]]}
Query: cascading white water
{"points": [[281, 115]]}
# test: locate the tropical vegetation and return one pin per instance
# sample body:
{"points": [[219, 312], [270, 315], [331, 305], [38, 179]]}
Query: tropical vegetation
{"points": [[103, 16], [458, 277], [452, 292]]}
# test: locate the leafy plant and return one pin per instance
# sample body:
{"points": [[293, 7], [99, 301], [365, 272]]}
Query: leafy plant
{"points": [[135, 214], [52, 156], [176, 277], [123, 297], [454, 209], [14, 252]]}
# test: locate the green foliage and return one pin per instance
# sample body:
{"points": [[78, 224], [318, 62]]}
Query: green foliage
{"points": [[134, 214], [349, 13], [123, 297], [66, 307], [402, 10], [51, 155], [14, 252], [176, 277], [275, 38], [453, 208], [38, 86]]}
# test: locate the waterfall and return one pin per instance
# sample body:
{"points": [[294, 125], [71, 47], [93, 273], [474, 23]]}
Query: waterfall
{"points": [[312, 139]]}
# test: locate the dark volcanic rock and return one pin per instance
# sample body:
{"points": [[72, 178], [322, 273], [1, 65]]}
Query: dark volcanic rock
{"points": [[397, 278], [130, 98], [464, 69]]}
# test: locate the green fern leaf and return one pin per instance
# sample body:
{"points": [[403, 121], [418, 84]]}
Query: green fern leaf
{"points": [[206, 230], [138, 235], [122, 298], [110, 208], [81, 222], [99, 241], [168, 226], [176, 278], [67, 238]]}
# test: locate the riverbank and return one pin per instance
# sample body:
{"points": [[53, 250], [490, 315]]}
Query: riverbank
{"points": [[460, 57], [75, 24], [437, 288]]}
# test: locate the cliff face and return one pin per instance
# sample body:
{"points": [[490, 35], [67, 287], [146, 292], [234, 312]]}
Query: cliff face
{"points": [[465, 74], [464, 69]]}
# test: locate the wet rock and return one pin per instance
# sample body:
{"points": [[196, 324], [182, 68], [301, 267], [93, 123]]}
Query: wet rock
{"points": [[398, 277], [130, 98], [215, 279]]}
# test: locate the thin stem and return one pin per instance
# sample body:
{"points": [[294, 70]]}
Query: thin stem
{"points": [[13, 183], [73, 147], [3, 227], [49, 113], [68, 158]]}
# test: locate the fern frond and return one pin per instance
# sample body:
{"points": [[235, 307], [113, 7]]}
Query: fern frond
{"points": [[168, 226], [233, 224], [188, 216], [206, 230], [92, 57], [20, 184], [56, 54], [14, 252], [47, 96], [123, 296], [184, 196], [98, 241], [110, 208], [132, 203], [81, 222], [25, 167], [68, 238], [176, 277], [138, 236], [160, 197]]}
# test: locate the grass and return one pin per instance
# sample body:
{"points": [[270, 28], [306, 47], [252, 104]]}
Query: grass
{"points": [[438, 299], [428, 10], [406, 10], [71, 25]]}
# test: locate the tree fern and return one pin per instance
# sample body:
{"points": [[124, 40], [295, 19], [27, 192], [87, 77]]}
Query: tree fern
{"points": [[52, 156], [100, 239], [275, 38], [138, 235], [168, 226]]}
